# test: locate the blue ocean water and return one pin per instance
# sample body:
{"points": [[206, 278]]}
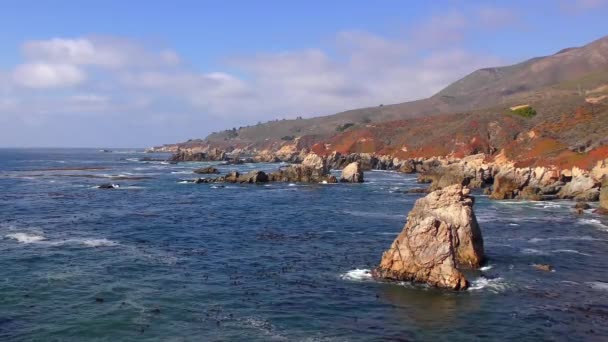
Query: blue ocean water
{"points": [[159, 260]]}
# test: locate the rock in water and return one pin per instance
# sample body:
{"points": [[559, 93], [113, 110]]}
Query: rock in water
{"points": [[253, 177], [441, 235], [352, 173], [108, 186], [206, 170]]}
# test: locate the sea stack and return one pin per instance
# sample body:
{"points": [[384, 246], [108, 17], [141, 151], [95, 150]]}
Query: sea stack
{"points": [[441, 235], [352, 173]]}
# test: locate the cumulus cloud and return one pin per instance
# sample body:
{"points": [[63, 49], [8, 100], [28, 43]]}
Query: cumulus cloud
{"points": [[109, 52], [47, 75], [113, 77]]}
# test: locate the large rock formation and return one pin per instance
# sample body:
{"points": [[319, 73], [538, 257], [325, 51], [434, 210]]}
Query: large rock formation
{"points": [[440, 236], [314, 169], [316, 162], [213, 154], [603, 209], [352, 173], [301, 173]]}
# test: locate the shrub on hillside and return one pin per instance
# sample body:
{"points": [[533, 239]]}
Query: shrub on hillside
{"points": [[526, 112], [342, 128]]}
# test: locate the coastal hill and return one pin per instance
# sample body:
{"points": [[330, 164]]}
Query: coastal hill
{"points": [[566, 94]]}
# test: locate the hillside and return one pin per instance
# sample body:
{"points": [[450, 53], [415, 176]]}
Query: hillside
{"points": [[570, 70], [567, 91]]}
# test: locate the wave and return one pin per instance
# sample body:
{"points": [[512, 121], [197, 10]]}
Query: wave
{"points": [[598, 285], [572, 251], [593, 222], [486, 268], [495, 285], [566, 238], [374, 215], [532, 251], [26, 238], [358, 274]]}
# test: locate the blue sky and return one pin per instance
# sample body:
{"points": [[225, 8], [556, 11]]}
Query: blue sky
{"points": [[140, 73]]}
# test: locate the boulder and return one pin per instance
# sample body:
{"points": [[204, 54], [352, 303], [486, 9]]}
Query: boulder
{"points": [[603, 209], [316, 162], [352, 173], [441, 235], [506, 186], [580, 188], [232, 177], [301, 173], [206, 170], [253, 177], [543, 267]]}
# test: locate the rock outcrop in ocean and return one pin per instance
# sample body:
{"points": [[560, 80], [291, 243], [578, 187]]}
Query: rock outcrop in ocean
{"points": [[352, 173], [212, 154], [441, 235], [206, 170]]}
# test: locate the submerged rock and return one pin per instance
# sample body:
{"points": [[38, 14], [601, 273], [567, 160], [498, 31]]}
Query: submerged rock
{"points": [[108, 186], [206, 170], [352, 173], [543, 267], [441, 235]]}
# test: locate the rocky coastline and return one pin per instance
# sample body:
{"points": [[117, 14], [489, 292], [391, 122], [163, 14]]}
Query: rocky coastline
{"points": [[499, 177]]}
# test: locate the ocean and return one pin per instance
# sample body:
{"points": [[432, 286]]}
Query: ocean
{"points": [[162, 260]]}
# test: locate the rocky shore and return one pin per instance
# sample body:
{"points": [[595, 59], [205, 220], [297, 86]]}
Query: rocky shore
{"points": [[500, 177]]}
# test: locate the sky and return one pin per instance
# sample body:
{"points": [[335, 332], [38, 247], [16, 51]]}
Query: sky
{"points": [[144, 73]]}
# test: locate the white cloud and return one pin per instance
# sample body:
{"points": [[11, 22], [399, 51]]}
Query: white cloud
{"points": [[47, 75], [102, 77], [108, 52]]}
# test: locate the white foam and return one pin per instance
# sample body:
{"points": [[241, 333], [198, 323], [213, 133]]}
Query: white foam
{"points": [[495, 285], [98, 242], [566, 238], [572, 251], [532, 251], [26, 238], [486, 268], [292, 184], [598, 285], [358, 274], [513, 224], [594, 222], [184, 182]]}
